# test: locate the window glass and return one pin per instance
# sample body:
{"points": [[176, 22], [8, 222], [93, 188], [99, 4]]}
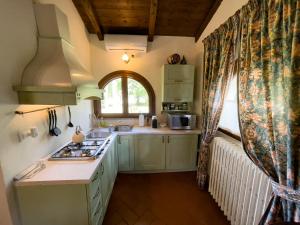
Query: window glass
{"points": [[138, 99], [112, 102], [229, 117]]}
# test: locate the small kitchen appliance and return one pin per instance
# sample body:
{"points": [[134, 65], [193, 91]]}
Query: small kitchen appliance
{"points": [[181, 121], [154, 122]]}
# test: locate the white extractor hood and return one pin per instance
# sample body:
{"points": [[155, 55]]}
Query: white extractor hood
{"points": [[53, 75]]}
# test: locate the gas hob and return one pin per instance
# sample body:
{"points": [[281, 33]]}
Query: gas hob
{"points": [[89, 149]]}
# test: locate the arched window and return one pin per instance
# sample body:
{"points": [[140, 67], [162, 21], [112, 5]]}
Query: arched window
{"points": [[126, 94]]}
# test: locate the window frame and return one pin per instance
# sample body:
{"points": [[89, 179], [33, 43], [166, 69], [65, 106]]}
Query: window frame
{"points": [[124, 75], [226, 130]]}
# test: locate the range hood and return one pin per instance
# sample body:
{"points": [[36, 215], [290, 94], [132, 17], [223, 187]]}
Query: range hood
{"points": [[53, 75]]}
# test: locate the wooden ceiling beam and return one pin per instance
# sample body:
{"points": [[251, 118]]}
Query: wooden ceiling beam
{"points": [[152, 19], [85, 9], [207, 19]]}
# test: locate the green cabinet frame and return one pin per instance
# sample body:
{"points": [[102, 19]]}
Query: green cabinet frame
{"points": [[125, 146], [86, 204], [178, 83], [149, 152], [181, 152], [153, 152], [76, 204]]}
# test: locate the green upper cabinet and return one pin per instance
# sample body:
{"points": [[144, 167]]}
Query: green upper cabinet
{"points": [[125, 146], [150, 152], [178, 92], [178, 73], [178, 83], [181, 152]]}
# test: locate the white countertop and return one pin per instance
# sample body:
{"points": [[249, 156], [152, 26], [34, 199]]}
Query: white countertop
{"points": [[80, 172], [149, 130], [63, 172]]}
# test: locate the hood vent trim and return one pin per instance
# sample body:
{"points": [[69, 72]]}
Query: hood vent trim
{"points": [[50, 95]]}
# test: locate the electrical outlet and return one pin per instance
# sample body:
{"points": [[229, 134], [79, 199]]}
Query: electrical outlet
{"points": [[32, 132], [22, 135]]}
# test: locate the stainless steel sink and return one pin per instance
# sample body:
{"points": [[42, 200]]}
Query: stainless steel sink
{"points": [[123, 128], [98, 134]]}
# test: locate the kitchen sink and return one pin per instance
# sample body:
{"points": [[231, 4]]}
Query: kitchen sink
{"points": [[98, 134], [123, 128]]}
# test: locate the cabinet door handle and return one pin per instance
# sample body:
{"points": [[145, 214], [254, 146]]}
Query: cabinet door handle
{"points": [[168, 139], [119, 139], [95, 177], [98, 210], [97, 193], [177, 99], [102, 169], [178, 81], [163, 139]]}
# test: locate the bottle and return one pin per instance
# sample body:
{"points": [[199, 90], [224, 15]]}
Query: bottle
{"points": [[102, 122], [141, 120], [154, 122]]}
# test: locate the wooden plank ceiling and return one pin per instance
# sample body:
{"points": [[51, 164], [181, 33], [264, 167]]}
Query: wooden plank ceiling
{"points": [[147, 17]]}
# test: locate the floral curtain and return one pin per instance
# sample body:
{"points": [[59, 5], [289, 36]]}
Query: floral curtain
{"points": [[269, 99], [218, 67]]}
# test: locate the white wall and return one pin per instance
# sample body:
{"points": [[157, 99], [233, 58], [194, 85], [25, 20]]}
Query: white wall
{"points": [[17, 47], [148, 65]]}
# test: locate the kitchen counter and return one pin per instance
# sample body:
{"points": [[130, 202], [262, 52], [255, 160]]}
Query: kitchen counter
{"points": [[150, 130], [81, 172], [65, 172]]}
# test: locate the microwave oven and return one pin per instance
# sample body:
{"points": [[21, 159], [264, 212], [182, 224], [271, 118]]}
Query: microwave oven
{"points": [[181, 121]]}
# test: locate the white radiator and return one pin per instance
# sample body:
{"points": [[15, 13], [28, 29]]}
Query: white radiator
{"points": [[241, 190]]}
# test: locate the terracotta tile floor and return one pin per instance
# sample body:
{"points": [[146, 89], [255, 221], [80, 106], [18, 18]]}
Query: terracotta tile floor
{"points": [[161, 199]]}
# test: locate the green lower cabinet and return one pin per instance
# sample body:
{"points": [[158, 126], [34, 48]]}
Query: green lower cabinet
{"points": [[149, 152], [115, 162], [181, 152], [108, 174], [105, 182], [86, 204], [125, 146], [55, 204], [76, 204]]}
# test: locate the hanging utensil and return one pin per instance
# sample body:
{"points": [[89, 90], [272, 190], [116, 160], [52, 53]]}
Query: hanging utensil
{"points": [[70, 124], [50, 123], [56, 130]]}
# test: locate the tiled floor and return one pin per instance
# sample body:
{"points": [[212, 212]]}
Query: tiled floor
{"points": [[161, 199]]}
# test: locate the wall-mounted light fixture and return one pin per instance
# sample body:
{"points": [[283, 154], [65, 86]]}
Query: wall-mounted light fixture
{"points": [[125, 57]]}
